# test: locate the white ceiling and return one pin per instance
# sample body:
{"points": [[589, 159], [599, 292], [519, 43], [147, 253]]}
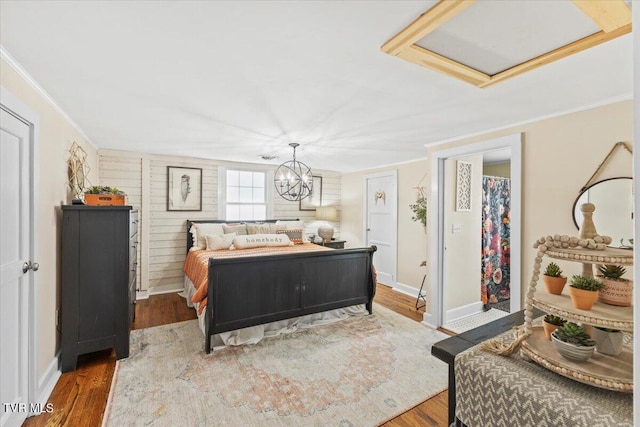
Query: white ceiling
{"points": [[233, 80]]}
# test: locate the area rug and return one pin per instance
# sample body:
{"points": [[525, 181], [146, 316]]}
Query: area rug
{"points": [[361, 371]]}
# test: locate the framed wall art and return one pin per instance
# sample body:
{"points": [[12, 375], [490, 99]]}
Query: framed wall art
{"points": [[463, 187], [184, 189], [313, 201]]}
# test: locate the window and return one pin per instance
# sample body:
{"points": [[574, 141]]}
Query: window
{"points": [[245, 195]]}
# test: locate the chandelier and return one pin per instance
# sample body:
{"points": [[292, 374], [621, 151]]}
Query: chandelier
{"points": [[294, 180]]}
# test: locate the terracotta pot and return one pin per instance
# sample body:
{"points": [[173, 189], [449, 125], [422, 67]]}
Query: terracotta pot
{"points": [[581, 299], [616, 292], [608, 342], [548, 329], [572, 352], [554, 285]]}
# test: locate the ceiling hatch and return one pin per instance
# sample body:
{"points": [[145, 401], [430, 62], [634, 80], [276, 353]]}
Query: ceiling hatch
{"points": [[486, 42]]}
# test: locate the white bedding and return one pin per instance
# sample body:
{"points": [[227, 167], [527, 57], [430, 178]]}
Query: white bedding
{"points": [[254, 334]]}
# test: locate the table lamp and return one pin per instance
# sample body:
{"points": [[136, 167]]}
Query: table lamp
{"points": [[326, 213]]}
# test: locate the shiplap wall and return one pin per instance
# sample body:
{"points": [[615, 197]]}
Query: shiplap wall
{"points": [[162, 247]]}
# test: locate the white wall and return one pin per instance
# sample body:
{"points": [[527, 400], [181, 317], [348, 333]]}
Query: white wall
{"points": [[162, 233], [498, 169]]}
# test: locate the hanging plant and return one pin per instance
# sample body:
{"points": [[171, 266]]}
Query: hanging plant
{"points": [[419, 208]]}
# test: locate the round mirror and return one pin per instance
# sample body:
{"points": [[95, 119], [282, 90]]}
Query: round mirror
{"points": [[614, 208]]}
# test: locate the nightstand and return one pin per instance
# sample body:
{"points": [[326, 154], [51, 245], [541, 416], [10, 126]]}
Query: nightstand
{"points": [[334, 244]]}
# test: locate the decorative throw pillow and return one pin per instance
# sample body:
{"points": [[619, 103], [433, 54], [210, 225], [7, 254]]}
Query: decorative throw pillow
{"points": [[258, 228], [294, 235], [261, 240], [218, 242], [198, 231], [291, 225], [241, 229]]}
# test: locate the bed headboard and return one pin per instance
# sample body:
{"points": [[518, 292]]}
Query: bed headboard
{"points": [[222, 221]]}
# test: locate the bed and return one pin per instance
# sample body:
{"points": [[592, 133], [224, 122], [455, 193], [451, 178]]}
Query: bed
{"points": [[249, 289]]}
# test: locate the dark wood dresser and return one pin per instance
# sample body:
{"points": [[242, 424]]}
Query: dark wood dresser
{"points": [[99, 254]]}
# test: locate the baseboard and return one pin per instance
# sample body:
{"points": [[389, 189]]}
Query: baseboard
{"points": [[142, 295], [427, 319], [464, 311], [47, 382], [407, 290]]}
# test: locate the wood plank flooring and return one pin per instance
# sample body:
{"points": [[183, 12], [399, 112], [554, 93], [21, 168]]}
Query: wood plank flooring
{"points": [[79, 398]]}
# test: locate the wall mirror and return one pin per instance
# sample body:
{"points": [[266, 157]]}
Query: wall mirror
{"points": [[613, 217]]}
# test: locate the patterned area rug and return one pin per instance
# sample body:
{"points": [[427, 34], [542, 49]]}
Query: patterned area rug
{"points": [[361, 371]]}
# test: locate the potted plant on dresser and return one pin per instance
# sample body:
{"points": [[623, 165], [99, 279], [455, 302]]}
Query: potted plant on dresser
{"points": [[584, 291], [550, 323], [608, 341], [617, 290], [553, 279], [104, 196], [572, 342]]}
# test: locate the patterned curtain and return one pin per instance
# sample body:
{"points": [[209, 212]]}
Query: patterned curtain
{"points": [[496, 230]]}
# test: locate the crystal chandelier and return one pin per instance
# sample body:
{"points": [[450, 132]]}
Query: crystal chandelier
{"points": [[294, 180]]}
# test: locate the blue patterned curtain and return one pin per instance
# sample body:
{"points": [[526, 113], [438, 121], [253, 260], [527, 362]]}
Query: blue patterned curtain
{"points": [[496, 231]]}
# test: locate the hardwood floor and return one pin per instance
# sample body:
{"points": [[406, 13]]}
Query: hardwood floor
{"points": [[79, 398]]}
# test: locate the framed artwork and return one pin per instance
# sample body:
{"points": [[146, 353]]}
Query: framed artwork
{"points": [[184, 189], [312, 202], [463, 186]]}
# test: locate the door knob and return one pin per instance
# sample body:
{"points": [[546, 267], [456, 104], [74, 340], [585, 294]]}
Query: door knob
{"points": [[29, 265]]}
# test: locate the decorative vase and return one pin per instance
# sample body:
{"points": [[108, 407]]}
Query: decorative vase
{"points": [[554, 285], [608, 342], [548, 329], [571, 351], [616, 292], [582, 299]]}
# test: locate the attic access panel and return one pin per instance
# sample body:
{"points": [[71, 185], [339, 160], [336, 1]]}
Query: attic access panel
{"points": [[486, 42]]}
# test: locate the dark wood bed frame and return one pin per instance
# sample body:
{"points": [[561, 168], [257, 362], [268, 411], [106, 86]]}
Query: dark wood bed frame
{"points": [[250, 291]]}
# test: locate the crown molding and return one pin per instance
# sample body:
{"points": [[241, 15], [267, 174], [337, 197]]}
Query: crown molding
{"points": [[6, 56]]}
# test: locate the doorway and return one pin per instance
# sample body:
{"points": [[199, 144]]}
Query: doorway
{"points": [[451, 254], [381, 228], [18, 300]]}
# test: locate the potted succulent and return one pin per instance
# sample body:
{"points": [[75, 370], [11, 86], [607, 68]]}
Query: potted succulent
{"points": [[104, 196], [572, 342], [553, 279], [617, 290], [584, 291], [608, 341], [550, 323]]}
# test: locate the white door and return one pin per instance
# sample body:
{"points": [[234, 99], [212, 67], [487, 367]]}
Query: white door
{"points": [[15, 248], [382, 223]]}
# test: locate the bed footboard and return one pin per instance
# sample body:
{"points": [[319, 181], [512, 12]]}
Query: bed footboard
{"points": [[250, 291]]}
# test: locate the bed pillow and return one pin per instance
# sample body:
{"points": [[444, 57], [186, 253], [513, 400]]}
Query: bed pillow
{"points": [[240, 229], [258, 228], [291, 225], [218, 242], [260, 240], [294, 235], [198, 231]]}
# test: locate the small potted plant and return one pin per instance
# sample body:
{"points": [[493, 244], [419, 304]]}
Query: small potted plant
{"points": [[584, 291], [550, 323], [553, 279], [572, 342], [608, 341], [104, 196], [617, 290]]}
